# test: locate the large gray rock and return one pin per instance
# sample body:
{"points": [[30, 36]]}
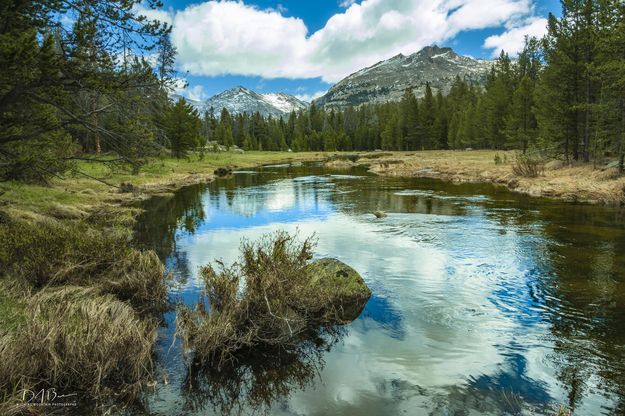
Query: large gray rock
{"points": [[346, 291]]}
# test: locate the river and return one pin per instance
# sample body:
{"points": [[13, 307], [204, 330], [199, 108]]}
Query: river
{"points": [[484, 301]]}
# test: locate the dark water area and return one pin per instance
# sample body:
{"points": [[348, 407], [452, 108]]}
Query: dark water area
{"points": [[484, 301]]}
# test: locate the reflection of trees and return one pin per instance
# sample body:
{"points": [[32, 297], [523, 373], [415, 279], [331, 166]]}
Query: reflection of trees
{"points": [[164, 216], [579, 269], [585, 299], [260, 378]]}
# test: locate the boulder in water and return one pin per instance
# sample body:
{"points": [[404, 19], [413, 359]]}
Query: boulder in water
{"points": [[379, 214], [345, 289]]}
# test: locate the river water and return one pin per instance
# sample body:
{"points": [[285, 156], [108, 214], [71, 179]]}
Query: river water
{"points": [[484, 301]]}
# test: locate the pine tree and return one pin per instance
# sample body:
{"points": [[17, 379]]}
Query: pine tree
{"points": [[427, 115], [521, 126], [391, 134], [611, 71], [183, 127], [565, 94], [409, 123], [166, 60]]}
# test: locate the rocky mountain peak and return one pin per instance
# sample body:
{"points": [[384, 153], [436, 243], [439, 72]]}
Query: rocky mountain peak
{"points": [[388, 80], [240, 100]]}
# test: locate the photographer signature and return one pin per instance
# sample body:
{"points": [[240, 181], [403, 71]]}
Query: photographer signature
{"points": [[48, 397]]}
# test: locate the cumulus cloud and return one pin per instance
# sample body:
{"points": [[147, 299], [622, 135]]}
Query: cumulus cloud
{"points": [[513, 39], [231, 37], [196, 92]]}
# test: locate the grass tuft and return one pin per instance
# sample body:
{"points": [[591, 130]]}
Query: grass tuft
{"points": [[51, 253], [75, 340], [280, 303]]}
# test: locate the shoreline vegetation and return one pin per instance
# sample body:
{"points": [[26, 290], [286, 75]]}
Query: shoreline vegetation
{"points": [[80, 305], [68, 259], [576, 182]]}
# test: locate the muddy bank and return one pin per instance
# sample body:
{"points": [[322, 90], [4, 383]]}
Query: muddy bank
{"points": [[580, 183]]}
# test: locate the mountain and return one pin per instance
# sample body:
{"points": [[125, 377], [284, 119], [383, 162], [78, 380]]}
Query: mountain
{"points": [[388, 80], [240, 100], [198, 105]]}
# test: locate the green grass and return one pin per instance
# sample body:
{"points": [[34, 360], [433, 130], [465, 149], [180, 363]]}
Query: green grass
{"points": [[65, 257], [12, 311], [78, 190]]}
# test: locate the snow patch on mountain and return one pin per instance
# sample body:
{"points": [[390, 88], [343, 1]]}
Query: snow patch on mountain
{"points": [[241, 100], [388, 80]]}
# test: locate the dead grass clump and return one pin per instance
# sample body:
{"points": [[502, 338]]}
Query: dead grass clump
{"points": [[66, 212], [528, 166], [76, 340], [608, 174], [114, 216], [340, 164], [268, 298], [48, 253], [139, 278]]}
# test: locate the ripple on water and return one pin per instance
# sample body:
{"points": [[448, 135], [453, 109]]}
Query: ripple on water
{"points": [[473, 294]]}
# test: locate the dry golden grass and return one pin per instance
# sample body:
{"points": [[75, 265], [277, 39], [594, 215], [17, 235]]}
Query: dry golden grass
{"points": [[51, 253], [572, 183], [75, 309], [75, 340]]}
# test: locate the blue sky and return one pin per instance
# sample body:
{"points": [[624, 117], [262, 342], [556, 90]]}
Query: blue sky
{"points": [[303, 47]]}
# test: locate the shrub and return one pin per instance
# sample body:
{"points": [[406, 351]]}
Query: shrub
{"points": [[269, 298], [49, 253], [528, 166]]}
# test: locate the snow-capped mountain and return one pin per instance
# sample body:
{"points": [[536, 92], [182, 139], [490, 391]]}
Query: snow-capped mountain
{"points": [[198, 105], [388, 80], [242, 100]]}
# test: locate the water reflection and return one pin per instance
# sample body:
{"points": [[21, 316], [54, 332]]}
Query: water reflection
{"points": [[484, 300], [258, 379]]}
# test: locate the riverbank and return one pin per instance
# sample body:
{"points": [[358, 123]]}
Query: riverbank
{"points": [[577, 183], [84, 195], [80, 305]]}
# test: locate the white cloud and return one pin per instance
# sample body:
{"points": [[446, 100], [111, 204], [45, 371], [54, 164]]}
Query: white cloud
{"points": [[513, 39], [196, 92], [309, 97], [179, 86], [346, 3], [230, 37]]}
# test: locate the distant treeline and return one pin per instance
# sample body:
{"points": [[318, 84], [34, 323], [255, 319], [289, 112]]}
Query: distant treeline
{"points": [[79, 78], [564, 96]]}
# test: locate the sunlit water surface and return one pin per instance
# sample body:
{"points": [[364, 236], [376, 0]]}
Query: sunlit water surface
{"points": [[484, 301]]}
